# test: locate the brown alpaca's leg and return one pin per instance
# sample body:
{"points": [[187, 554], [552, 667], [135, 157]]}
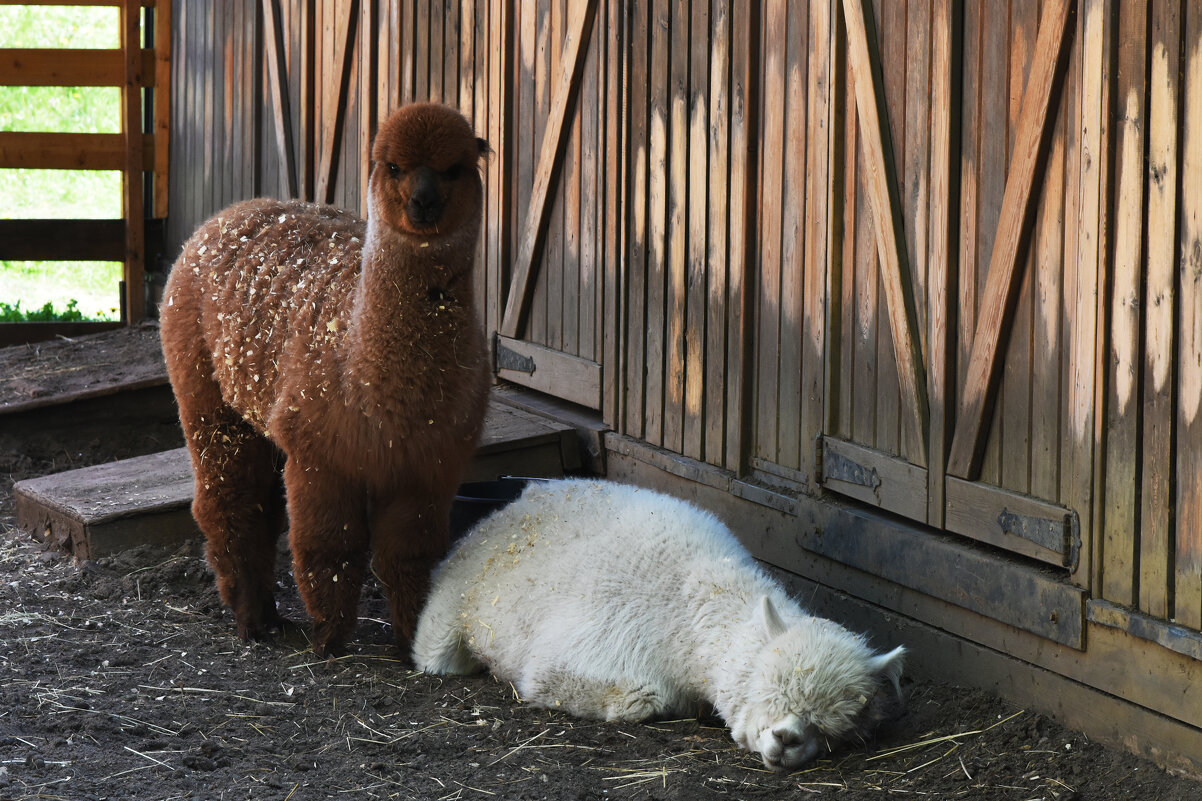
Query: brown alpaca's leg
{"points": [[237, 506], [328, 534], [410, 533]]}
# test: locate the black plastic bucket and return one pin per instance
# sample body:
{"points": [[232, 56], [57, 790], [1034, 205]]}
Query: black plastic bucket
{"points": [[478, 499]]}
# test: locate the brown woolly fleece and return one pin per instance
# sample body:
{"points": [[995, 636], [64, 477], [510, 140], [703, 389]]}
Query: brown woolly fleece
{"points": [[353, 350]]}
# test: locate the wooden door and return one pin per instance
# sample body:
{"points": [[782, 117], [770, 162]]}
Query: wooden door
{"points": [[563, 162], [961, 387]]}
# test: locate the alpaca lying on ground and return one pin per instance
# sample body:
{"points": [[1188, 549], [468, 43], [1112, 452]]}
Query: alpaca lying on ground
{"points": [[615, 602], [353, 350]]}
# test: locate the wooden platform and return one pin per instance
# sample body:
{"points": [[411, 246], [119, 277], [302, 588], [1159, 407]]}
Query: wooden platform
{"points": [[99, 510]]}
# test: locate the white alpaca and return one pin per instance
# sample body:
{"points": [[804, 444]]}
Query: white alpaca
{"points": [[615, 602]]}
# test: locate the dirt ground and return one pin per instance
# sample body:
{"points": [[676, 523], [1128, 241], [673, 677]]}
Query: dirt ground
{"points": [[122, 679]]}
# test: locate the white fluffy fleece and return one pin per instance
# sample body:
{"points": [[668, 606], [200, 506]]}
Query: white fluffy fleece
{"points": [[615, 602]]}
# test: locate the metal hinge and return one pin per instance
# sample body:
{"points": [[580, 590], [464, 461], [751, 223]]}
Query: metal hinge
{"points": [[509, 359]]}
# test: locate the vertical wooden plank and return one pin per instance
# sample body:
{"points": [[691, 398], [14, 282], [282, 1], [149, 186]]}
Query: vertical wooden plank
{"points": [[525, 146], [772, 170], [1014, 389], [745, 24], [434, 44], [787, 449], [588, 227], [450, 54], [677, 225], [968, 263], [388, 77], [992, 171], [422, 55], [615, 146], [1122, 408], [657, 255], [1188, 590], [817, 211], [549, 287], [208, 84], [1079, 449], [638, 203], [471, 77], [475, 85], [697, 177], [571, 177], [133, 205], [546, 36], [369, 98], [721, 212], [1075, 157], [406, 51], [939, 247], [1156, 511], [306, 68], [232, 134]]}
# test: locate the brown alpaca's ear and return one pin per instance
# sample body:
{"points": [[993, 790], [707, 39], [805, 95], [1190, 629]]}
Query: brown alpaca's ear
{"points": [[482, 144]]}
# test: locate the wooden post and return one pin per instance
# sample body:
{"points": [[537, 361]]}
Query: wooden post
{"points": [[131, 181]]}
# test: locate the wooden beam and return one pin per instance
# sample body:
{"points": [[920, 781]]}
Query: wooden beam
{"points": [[1002, 283], [70, 67], [554, 138], [134, 164], [334, 117], [885, 202], [62, 240], [162, 106], [277, 70], [68, 151]]}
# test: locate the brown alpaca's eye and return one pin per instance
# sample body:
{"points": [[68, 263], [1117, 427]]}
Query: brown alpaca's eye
{"points": [[453, 172], [394, 170]]}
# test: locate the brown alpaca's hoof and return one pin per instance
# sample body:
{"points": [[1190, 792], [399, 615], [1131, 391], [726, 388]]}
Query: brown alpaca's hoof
{"points": [[329, 640], [263, 626]]}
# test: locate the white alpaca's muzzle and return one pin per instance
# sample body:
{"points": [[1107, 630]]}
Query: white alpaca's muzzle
{"points": [[788, 744]]}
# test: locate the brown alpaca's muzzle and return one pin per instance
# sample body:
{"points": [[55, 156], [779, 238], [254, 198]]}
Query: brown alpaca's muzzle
{"points": [[426, 204]]}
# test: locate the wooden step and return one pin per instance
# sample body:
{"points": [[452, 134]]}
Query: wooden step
{"points": [[103, 509]]}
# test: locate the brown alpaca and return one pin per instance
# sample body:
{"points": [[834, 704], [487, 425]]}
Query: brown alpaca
{"points": [[352, 349]]}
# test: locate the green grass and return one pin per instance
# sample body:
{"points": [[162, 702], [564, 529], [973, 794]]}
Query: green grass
{"points": [[92, 285], [71, 289]]}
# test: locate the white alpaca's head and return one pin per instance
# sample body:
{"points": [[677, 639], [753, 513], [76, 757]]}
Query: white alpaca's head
{"points": [[813, 684]]}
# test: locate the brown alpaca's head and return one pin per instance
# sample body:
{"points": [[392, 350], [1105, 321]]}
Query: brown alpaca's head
{"points": [[425, 177]]}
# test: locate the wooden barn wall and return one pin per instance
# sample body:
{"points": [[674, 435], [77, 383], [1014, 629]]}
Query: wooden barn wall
{"points": [[1150, 533]]}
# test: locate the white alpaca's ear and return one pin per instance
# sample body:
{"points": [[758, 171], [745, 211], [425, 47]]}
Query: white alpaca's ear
{"points": [[889, 666], [767, 614]]}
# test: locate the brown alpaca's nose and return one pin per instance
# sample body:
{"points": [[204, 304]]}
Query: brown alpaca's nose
{"points": [[425, 202]]}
